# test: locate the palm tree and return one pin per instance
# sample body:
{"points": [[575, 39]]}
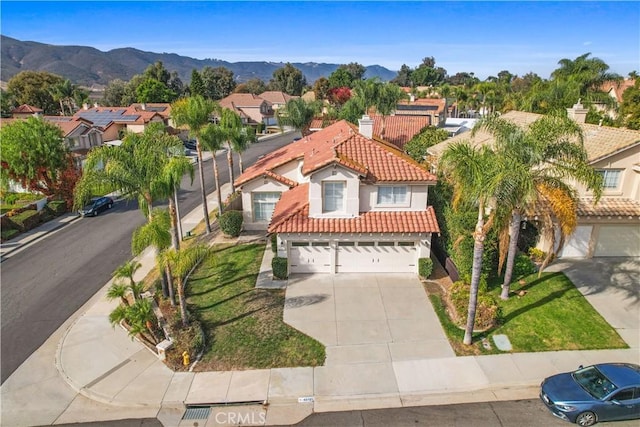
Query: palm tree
{"points": [[230, 124], [118, 290], [195, 112], [126, 271], [476, 175], [543, 157], [156, 233], [168, 185], [298, 114], [240, 141], [212, 138], [133, 169], [63, 92], [181, 263], [387, 101]]}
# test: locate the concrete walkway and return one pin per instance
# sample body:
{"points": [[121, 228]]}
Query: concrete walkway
{"points": [[385, 348]]}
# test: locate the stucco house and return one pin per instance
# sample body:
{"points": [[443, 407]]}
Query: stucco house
{"points": [[25, 111], [251, 108], [612, 226], [79, 136], [276, 98], [113, 122], [341, 200]]}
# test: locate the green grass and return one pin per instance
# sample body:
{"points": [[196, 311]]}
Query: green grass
{"points": [[243, 325], [551, 315]]}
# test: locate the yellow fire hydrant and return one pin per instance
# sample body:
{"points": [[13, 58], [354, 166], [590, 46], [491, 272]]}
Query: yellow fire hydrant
{"points": [[185, 358]]}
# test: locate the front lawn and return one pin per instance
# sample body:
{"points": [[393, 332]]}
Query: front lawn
{"points": [[243, 325], [550, 315]]}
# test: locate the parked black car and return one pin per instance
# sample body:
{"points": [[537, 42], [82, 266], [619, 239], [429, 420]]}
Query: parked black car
{"points": [[603, 392], [96, 206], [190, 144]]}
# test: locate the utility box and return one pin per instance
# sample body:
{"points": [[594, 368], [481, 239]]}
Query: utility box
{"points": [[162, 348]]}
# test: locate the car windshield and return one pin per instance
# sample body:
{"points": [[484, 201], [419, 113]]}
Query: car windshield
{"points": [[594, 382]]}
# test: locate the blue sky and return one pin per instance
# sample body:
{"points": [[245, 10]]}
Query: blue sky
{"points": [[479, 37]]}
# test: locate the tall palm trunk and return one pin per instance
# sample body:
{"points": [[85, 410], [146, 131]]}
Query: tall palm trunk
{"points": [[183, 303], [230, 163], [216, 178], [178, 221], [240, 165], [514, 232], [172, 297], [175, 240], [205, 209], [478, 249]]}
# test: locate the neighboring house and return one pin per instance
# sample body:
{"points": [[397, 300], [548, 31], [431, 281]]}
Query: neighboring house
{"points": [[341, 200], [614, 89], [113, 122], [398, 130], [251, 108], [24, 111], [611, 227], [433, 108], [277, 98], [79, 136], [456, 126]]}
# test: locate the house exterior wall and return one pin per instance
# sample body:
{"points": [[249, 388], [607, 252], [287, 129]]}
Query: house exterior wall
{"points": [[111, 133], [257, 185], [352, 192], [137, 128], [417, 199]]}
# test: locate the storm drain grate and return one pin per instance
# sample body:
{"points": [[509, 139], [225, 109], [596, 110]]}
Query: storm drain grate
{"points": [[197, 413]]}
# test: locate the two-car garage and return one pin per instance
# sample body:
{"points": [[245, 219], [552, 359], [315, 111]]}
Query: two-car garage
{"points": [[353, 257], [603, 240]]}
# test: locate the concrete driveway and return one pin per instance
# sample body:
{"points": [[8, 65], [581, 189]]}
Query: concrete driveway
{"points": [[612, 287], [366, 318]]}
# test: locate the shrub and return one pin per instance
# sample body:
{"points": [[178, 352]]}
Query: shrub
{"points": [[27, 220], [274, 243], [487, 310], [279, 267], [11, 198], [58, 207], [231, 223], [9, 234], [425, 267], [522, 266], [537, 255]]}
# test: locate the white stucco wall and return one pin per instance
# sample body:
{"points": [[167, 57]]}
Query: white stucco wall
{"points": [[352, 192], [293, 171], [417, 198], [257, 185]]}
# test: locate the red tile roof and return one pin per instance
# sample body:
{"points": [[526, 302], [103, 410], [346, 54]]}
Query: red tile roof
{"points": [[608, 206], [617, 88], [341, 143], [291, 215], [26, 109], [241, 100], [276, 96], [399, 130]]}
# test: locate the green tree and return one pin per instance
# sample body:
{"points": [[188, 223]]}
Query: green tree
{"points": [[181, 263], [356, 70], [114, 93], [426, 138], [157, 72], [218, 82], [34, 88], [63, 93], [386, 101], [195, 112], [427, 74], [196, 87], [630, 107], [255, 86], [118, 289], [298, 114], [212, 138], [404, 77], [321, 88], [34, 155], [237, 139], [139, 318], [542, 157], [7, 103], [152, 90], [475, 175], [156, 233], [288, 79]]}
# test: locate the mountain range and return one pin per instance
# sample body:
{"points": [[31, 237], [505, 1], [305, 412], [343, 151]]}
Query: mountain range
{"points": [[88, 66]]}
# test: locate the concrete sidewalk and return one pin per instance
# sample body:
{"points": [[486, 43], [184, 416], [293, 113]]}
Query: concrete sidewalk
{"points": [[89, 371]]}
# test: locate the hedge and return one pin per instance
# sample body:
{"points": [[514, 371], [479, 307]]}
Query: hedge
{"points": [[279, 267], [27, 220], [274, 243], [231, 223], [425, 267], [58, 207]]}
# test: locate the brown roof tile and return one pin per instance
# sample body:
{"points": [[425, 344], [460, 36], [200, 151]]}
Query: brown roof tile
{"points": [[26, 109], [276, 96], [341, 143], [291, 215], [608, 206], [399, 130]]}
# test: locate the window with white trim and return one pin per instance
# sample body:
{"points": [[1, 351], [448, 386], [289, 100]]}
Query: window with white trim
{"points": [[392, 195], [333, 196], [263, 205], [610, 178]]}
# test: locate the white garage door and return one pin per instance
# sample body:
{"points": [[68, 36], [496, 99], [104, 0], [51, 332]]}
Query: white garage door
{"points": [[577, 246], [306, 258], [618, 240], [366, 257]]}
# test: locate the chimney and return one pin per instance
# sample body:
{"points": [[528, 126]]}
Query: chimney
{"points": [[95, 105], [143, 106], [412, 97], [366, 126], [85, 106], [577, 112]]}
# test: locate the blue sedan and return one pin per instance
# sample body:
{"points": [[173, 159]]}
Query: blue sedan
{"points": [[603, 392]]}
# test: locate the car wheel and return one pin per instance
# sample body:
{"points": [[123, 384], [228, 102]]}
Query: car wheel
{"points": [[586, 419], [95, 213], [109, 205]]}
